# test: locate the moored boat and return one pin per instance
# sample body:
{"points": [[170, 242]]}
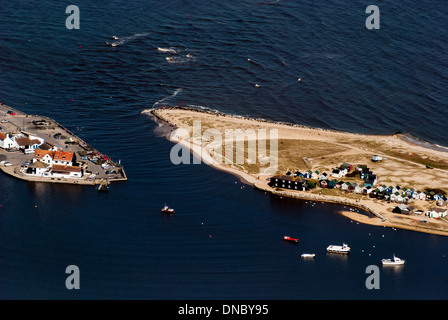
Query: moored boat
{"points": [[338, 249], [167, 209], [288, 238], [395, 261], [308, 255]]}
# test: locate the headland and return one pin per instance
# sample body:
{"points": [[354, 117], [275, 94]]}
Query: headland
{"points": [[383, 180]]}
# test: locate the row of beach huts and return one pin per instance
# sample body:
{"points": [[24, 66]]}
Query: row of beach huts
{"points": [[304, 181]]}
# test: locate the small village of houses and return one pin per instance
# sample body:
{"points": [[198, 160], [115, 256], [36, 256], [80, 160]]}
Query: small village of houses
{"points": [[48, 160], [304, 181]]}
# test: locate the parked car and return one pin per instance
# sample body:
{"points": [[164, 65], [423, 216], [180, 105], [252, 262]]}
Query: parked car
{"points": [[26, 163]]}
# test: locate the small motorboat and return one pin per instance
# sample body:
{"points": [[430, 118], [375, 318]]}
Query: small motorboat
{"points": [[288, 238], [308, 255], [338, 249], [167, 209], [395, 261], [115, 38], [111, 44]]}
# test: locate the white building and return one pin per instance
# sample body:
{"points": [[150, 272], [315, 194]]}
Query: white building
{"points": [[37, 168], [436, 213], [29, 144], [338, 173], [7, 142], [57, 164], [323, 176], [60, 171], [58, 157]]}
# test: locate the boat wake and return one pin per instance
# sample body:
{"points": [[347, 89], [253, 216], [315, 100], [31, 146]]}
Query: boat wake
{"points": [[177, 55], [170, 50], [123, 40]]}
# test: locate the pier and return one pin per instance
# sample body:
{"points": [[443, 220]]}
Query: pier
{"points": [[86, 166]]}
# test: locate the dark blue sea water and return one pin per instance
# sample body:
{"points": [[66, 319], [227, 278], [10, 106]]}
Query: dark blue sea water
{"points": [[225, 240]]}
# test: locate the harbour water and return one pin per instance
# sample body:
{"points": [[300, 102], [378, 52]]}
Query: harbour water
{"points": [[225, 240]]}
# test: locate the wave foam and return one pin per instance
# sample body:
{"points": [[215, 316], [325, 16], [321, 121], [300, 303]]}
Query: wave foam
{"points": [[166, 99]]}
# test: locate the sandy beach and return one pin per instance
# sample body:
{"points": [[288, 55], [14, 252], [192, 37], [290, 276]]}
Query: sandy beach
{"points": [[304, 148]]}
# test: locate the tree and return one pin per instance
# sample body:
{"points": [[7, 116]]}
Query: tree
{"points": [[311, 184]]}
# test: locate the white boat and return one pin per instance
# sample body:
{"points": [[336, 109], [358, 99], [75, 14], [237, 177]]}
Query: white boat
{"points": [[395, 261], [308, 255], [339, 249]]}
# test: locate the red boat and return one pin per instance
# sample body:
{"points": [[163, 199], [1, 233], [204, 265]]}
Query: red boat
{"points": [[167, 209], [287, 238]]}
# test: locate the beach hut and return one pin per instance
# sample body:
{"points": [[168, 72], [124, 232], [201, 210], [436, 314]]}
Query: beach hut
{"points": [[364, 172], [351, 187], [393, 196], [332, 183], [436, 213], [336, 173], [367, 189], [410, 192], [402, 209], [381, 194], [288, 182], [323, 176], [345, 186], [346, 166], [370, 180], [416, 195], [307, 175]]}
